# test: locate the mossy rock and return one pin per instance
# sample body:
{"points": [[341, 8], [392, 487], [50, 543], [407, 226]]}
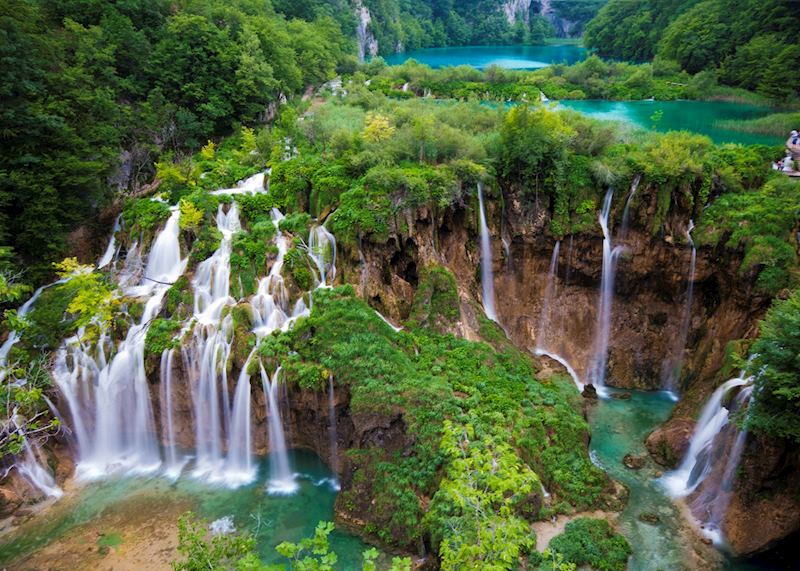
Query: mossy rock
{"points": [[436, 302]]}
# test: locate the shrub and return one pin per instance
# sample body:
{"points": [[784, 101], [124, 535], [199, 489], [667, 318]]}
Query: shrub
{"points": [[593, 542]]}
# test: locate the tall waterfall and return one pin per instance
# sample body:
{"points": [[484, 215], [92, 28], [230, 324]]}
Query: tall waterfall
{"points": [[696, 464], [240, 468], [109, 400], [174, 464], [713, 501], [207, 354], [597, 371], [549, 291], [281, 479], [670, 375], [487, 278]]}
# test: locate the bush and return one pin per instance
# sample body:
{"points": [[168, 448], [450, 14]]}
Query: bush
{"points": [[593, 542]]}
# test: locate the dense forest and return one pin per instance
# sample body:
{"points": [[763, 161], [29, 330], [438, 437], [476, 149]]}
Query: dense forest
{"points": [[751, 44]]}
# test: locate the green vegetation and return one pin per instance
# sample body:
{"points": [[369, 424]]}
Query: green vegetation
{"points": [[744, 43], [593, 542], [777, 124], [161, 335], [157, 79], [775, 407], [437, 389], [236, 551]]}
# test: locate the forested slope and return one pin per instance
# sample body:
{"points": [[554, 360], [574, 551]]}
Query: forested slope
{"points": [[99, 89], [747, 43]]}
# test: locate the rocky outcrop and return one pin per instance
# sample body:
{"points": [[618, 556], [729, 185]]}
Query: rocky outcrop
{"points": [[516, 11], [367, 44]]}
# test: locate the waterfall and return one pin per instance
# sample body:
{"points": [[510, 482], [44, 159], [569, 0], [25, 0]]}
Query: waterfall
{"points": [[13, 336], [367, 44], [281, 479], [322, 250], [111, 249], [721, 494], [597, 372], [109, 400], [239, 467], [487, 279], [570, 370], [544, 317], [210, 348], [174, 464], [696, 464], [670, 374], [626, 212], [332, 433], [32, 469]]}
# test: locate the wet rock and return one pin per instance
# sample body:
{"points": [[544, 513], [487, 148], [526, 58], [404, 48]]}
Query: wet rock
{"points": [[633, 462], [621, 396], [589, 392], [650, 518], [668, 444]]}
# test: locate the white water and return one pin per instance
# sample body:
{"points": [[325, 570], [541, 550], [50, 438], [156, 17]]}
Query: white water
{"points": [[719, 496], [487, 278], [322, 250], [670, 375], [281, 481], [111, 249], [549, 291], [174, 463], [250, 185], [32, 468], [572, 373], [13, 336], [109, 400], [387, 322], [695, 465], [207, 354], [597, 370]]}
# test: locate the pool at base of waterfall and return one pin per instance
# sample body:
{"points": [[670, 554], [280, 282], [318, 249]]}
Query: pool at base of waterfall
{"points": [[139, 517], [661, 538]]}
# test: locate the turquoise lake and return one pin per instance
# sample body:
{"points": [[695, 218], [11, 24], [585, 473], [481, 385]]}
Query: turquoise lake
{"points": [[509, 57], [698, 116]]}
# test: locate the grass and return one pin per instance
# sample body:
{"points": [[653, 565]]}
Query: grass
{"points": [[777, 124]]}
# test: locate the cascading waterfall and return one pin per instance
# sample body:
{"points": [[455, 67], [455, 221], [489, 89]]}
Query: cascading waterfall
{"points": [[570, 370], [281, 479], [696, 464], [487, 278], [322, 250], [549, 291], [109, 400], [239, 468], [597, 371], [670, 375]]}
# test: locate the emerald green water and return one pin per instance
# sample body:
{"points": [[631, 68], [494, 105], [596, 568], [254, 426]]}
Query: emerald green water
{"points": [[619, 427], [697, 116], [271, 519], [509, 57]]}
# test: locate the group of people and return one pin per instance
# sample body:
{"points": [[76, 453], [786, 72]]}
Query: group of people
{"points": [[787, 164]]}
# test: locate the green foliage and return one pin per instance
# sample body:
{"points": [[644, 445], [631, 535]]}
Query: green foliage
{"points": [[761, 222], [206, 243], [416, 380], [161, 335], [144, 215], [436, 302], [298, 265], [94, 300], [775, 410], [297, 223], [751, 42], [476, 504], [593, 542]]}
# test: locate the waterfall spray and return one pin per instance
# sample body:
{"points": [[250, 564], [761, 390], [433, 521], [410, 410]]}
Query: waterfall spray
{"points": [[549, 291], [281, 481], [487, 279]]}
